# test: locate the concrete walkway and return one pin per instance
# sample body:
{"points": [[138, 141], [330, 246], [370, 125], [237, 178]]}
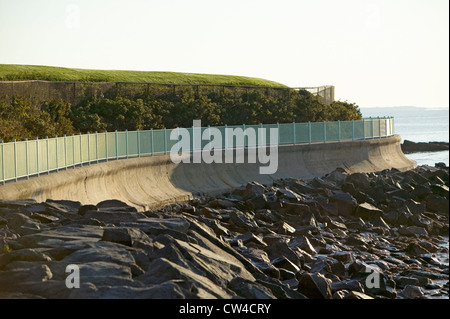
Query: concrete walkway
{"points": [[147, 182]]}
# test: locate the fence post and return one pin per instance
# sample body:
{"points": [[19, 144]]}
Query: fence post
{"points": [[364, 128], [96, 146], [89, 147], [65, 151], [117, 144], [353, 130], [81, 151], [309, 132], [293, 133], [209, 136], [226, 141], [56, 144], [243, 131], [324, 131], [379, 127], [193, 140], [339, 130], [278, 129], [73, 150], [165, 141], [15, 160], [106, 145], [138, 143], [260, 137], [3, 163], [151, 142], [26, 158], [126, 142], [48, 166]]}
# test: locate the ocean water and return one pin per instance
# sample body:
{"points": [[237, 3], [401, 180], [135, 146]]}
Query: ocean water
{"points": [[418, 125]]}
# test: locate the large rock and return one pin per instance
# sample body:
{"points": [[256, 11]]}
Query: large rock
{"points": [[166, 290], [346, 203], [438, 204], [250, 290], [368, 211], [26, 254], [260, 259], [303, 243], [413, 231], [243, 220], [126, 236], [416, 147], [314, 286], [412, 292], [114, 216], [162, 270]]}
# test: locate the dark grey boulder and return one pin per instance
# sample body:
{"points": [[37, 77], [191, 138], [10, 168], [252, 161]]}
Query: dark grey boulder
{"points": [[314, 286]]}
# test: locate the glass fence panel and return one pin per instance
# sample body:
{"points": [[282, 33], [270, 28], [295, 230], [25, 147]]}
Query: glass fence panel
{"points": [[317, 132], [8, 156], [132, 143], [346, 130], [332, 131], [21, 158], [51, 154], [158, 141], [287, 133], [301, 132], [32, 157]]}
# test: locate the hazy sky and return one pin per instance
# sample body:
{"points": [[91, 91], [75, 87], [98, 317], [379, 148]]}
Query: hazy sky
{"points": [[376, 52]]}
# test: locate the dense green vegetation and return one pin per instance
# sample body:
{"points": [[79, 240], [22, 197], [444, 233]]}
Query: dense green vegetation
{"points": [[14, 72], [23, 118]]}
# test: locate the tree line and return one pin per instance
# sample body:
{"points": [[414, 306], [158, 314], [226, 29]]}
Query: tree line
{"points": [[22, 118]]}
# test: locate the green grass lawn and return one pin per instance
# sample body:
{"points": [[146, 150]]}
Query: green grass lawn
{"points": [[14, 72]]}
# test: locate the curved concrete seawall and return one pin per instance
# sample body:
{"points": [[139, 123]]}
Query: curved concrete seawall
{"points": [[147, 182]]}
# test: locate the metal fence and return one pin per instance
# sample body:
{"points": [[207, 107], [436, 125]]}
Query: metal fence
{"points": [[34, 157], [78, 92]]}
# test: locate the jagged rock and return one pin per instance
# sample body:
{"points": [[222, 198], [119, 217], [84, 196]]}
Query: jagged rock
{"points": [[283, 262], [314, 286], [346, 203], [260, 259], [357, 295], [26, 254], [250, 290], [281, 249], [352, 285], [413, 231], [412, 292], [437, 204], [85, 208], [243, 220], [125, 235], [402, 281], [303, 243], [248, 238], [343, 256], [368, 211]]}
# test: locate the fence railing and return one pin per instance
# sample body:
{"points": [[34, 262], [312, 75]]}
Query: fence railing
{"points": [[23, 159]]}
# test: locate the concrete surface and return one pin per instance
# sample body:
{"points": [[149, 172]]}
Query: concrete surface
{"points": [[148, 182]]}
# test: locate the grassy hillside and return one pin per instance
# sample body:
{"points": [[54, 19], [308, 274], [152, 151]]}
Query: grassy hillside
{"points": [[14, 72]]}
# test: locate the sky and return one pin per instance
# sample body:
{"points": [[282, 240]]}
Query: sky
{"points": [[377, 53]]}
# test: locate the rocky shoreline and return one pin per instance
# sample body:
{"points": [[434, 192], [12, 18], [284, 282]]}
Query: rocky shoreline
{"points": [[409, 147], [342, 236]]}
